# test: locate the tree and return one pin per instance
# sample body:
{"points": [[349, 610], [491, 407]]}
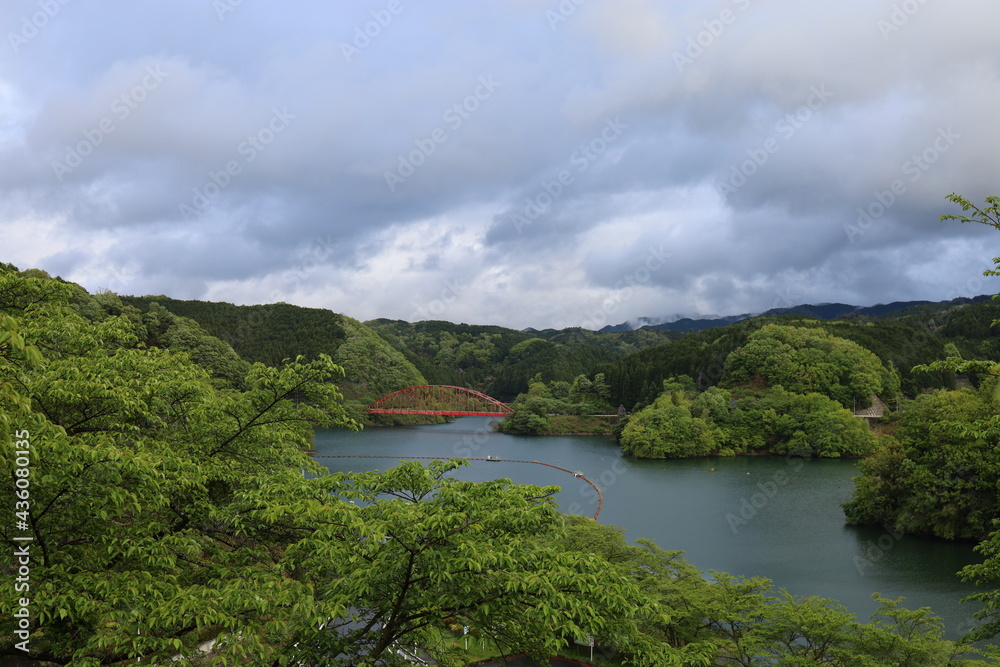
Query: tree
{"points": [[667, 429], [987, 572], [804, 360], [939, 475], [744, 621], [371, 366], [771, 420], [766, 629], [664, 575], [529, 416], [435, 551], [164, 510], [988, 214], [142, 484], [942, 477], [141, 475]]}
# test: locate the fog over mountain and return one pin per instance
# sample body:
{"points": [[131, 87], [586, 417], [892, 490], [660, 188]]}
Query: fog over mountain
{"points": [[822, 311]]}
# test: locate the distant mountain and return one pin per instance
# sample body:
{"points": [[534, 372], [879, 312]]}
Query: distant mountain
{"points": [[685, 324], [822, 311]]}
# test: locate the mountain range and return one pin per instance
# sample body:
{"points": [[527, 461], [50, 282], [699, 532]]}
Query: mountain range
{"points": [[822, 311]]}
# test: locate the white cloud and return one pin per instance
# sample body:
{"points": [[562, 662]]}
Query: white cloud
{"points": [[310, 219]]}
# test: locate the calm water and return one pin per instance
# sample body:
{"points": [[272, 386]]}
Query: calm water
{"points": [[760, 516]]}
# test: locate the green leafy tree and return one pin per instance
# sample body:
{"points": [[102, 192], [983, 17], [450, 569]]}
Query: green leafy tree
{"points": [[371, 366], [743, 621], [142, 474], [664, 575], [165, 510], [765, 629], [986, 573], [804, 360], [988, 214], [529, 417], [436, 551], [184, 335], [940, 474], [776, 421], [667, 429]]}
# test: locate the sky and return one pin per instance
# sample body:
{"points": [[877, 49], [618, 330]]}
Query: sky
{"points": [[527, 163]]}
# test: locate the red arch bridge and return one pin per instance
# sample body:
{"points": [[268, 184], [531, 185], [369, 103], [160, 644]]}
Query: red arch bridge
{"points": [[439, 399]]}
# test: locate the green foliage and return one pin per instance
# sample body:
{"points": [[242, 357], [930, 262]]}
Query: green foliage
{"points": [[373, 368], [266, 334], [637, 379], [531, 410], [733, 620], [435, 552], [941, 475], [986, 573], [682, 424], [143, 478], [981, 426], [183, 335], [764, 629], [666, 429], [988, 214], [805, 360], [530, 417], [899, 344], [501, 362], [972, 331], [270, 334]]}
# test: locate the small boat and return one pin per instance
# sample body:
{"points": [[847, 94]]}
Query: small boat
{"points": [[490, 458]]}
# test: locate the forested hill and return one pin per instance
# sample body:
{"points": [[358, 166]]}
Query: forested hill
{"points": [[500, 361], [274, 332], [266, 333], [822, 311], [383, 355], [920, 335]]}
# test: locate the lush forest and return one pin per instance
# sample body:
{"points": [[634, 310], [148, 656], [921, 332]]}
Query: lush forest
{"points": [[900, 344], [501, 362], [273, 333], [160, 480], [382, 356]]}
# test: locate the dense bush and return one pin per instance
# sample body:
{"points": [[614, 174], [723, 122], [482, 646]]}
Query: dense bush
{"points": [[681, 423], [805, 360], [940, 475]]}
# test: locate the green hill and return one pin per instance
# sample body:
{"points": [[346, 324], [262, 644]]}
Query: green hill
{"points": [[501, 362], [918, 335], [274, 332]]}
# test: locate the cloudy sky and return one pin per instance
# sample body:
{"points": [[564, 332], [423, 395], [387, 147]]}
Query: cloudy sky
{"points": [[538, 163]]}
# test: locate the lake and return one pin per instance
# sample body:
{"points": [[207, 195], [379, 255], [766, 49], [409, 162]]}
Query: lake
{"points": [[751, 516]]}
